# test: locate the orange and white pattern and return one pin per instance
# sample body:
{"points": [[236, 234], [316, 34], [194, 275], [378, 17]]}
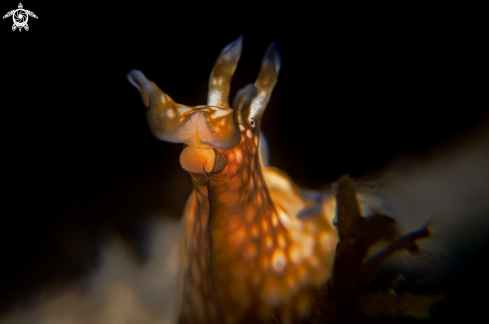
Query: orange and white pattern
{"points": [[248, 256]]}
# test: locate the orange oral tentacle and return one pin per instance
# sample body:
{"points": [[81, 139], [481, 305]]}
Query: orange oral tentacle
{"points": [[194, 160]]}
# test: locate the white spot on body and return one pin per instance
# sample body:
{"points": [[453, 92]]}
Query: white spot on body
{"points": [[307, 246], [278, 261], [170, 113], [239, 156], [220, 112], [274, 220], [281, 240], [295, 254], [258, 199], [268, 242], [288, 221], [183, 110], [327, 240], [248, 133]]}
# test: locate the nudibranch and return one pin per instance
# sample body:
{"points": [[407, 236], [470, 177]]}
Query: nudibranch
{"points": [[254, 244]]}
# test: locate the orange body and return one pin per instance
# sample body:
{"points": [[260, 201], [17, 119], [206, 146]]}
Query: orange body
{"points": [[254, 246]]}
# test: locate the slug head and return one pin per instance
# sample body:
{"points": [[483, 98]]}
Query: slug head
{"points": [[210, 132]]}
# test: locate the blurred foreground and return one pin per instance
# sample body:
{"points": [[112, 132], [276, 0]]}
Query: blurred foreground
{"points": [[121, 291]]}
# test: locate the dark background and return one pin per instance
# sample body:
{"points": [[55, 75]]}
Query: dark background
{"points": [[358, 87]]}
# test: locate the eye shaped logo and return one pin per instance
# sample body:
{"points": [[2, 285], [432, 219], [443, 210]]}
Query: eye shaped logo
{"points": [[20, 17]]}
